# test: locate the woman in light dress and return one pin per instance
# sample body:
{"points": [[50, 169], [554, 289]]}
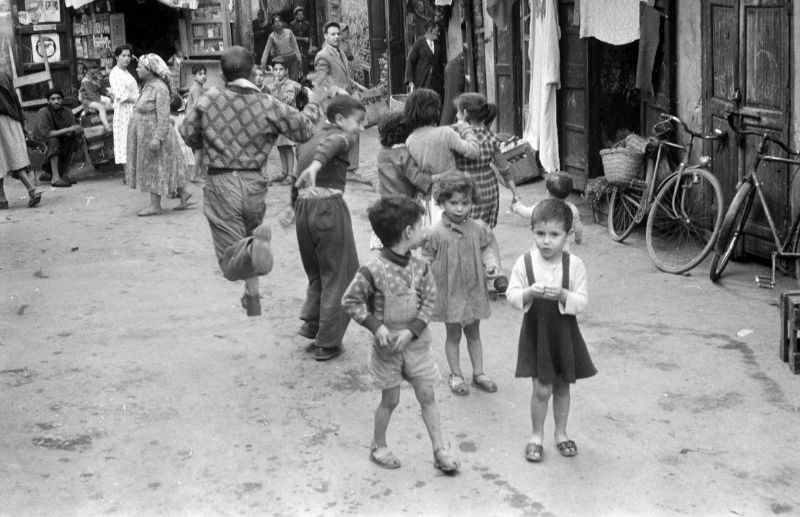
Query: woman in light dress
{"points": [[125, 92]]}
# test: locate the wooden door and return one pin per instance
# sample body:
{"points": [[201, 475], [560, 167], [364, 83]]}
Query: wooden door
{"points": [[746, 56], [508, 72], [572, 113], [395, 45]]}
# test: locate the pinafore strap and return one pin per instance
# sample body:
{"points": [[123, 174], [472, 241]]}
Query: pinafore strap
{"points": [[564, 269]]}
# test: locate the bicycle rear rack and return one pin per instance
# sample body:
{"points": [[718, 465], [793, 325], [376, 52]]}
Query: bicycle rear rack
{"points": [[768, 282]]}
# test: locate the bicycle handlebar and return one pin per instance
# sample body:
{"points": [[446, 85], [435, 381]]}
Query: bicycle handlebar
{"points": [[763, 135], [715, 135]]}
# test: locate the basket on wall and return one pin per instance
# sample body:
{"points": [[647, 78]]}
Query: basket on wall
{"points": [[621, 164]]}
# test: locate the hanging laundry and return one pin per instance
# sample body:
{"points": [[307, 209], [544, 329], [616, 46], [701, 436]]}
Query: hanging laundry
{"points": [[540, 128], [612, 21], [648, 47], [500, 11]]}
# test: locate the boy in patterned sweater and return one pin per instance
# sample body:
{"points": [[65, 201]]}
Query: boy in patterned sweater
{"points": [[393, 296], [233, 129]]}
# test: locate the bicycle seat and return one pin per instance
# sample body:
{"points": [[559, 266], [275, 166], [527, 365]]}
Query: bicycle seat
{"points": [[703, 161]]}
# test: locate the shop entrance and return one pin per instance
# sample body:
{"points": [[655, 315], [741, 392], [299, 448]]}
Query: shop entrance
{"points": [[150, 26]]}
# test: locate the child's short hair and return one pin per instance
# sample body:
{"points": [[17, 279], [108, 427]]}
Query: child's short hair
{"points": [[279, 60], [393, 129], [552, 209], [390, 215], [196, 69], [454, 183], [559, 185], [423, 107], [476, 108], [343, 105]]}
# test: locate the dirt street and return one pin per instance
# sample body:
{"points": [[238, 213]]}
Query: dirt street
{"points": [[132, 383]]}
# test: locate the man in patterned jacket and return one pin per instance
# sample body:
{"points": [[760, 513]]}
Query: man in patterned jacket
{"points": [[234, 129]]}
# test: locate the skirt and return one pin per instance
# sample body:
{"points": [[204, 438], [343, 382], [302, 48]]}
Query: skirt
{"points": [[13, 152]]}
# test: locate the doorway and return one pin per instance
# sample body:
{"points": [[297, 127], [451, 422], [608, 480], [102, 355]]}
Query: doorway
{"points": [[151, 27], [746, 57]]}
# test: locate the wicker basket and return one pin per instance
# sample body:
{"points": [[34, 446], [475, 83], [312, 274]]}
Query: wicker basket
{"points": [[621, 164]]}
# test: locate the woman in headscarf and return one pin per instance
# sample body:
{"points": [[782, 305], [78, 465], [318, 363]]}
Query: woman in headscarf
{"points": [[155, 161], [14, 160], [124, 91]]}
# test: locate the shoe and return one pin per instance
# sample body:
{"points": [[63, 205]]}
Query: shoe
{"points": [[310, 348], [457, 385], [326, 354], [186, 202], [383, 457], [252, 304], [567, 448], [260, 252], [308, 330], [34, 198], [149, 211], [61, 183], [534, 452], [445, 462], [483, 382]]}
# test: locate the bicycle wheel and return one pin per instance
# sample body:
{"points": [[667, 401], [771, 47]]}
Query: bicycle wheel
{"points": [[684, 221], [732, 227], [622, 207]]}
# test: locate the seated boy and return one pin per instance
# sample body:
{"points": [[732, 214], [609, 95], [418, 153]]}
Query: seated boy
{"points": [[393, 296], [92, 98]]}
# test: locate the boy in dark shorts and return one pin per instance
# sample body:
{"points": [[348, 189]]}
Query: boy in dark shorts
{"points": [[323, 226], [393, 296]]}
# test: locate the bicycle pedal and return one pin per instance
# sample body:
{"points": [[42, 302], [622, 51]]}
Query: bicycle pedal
{"points": [[765, 282]]}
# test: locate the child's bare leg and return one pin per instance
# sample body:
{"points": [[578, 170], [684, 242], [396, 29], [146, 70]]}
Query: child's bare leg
{"points": [[451, 347], [101, 112], [251, 286], [561, 399], [430, 414], [389, 400], [475, 346], [539, 401], [287, 160]]}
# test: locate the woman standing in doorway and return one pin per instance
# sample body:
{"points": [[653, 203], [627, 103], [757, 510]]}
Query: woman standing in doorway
{"points": [[125, 91], [155, 162]]}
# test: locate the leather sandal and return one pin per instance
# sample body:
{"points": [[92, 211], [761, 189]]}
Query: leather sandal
{"points": [[34, 198], [445, 461], [483, 382], [534, 452], [567, 448], [383, 457], [457, 385]]}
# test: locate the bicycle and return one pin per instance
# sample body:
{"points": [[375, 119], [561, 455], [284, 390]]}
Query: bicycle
{"points": [[683, 210], [786, 247]]}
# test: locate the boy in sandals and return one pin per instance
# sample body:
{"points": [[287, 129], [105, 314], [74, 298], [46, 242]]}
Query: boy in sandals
{"points": [[393, 296]]}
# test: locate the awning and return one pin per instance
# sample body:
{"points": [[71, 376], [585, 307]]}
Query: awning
{"points": [[177, 4]]}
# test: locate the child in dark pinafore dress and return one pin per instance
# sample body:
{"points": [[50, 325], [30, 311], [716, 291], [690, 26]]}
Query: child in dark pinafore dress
{"points": [[549, 284]]}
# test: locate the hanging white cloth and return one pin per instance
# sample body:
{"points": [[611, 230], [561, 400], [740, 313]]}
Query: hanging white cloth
{"points": [[612, 21], [540, 128]]}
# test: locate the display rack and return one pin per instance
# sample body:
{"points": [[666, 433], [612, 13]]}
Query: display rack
{"points": [[96, 35], [209, 28]]}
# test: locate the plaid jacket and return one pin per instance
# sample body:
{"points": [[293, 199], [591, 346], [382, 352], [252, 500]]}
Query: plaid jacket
{"points": [[235, 128]]}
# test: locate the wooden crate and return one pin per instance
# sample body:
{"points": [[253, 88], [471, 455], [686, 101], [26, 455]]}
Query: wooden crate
{"points": [[790, 327], [524, 166]]}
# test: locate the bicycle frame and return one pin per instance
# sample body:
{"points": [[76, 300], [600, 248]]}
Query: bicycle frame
{"points": [[780, 246], [651, 184]]}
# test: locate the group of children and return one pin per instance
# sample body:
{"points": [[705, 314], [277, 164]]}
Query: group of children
{"points": [[398, 293]]}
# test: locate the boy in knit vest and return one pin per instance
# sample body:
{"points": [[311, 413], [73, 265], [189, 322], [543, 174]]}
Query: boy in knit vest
{"points": [[324, 229]]}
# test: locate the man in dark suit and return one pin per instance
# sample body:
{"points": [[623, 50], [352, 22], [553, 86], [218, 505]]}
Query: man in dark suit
{"points": [[425, 63]]}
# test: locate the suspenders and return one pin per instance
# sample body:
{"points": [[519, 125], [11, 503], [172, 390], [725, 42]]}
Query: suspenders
{"points": [[564, 269]]}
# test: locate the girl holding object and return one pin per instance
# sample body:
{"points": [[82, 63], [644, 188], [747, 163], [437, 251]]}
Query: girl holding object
{"points": [[549, 285]]}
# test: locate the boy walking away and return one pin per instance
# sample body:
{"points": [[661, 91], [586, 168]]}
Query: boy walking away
{"points": [[559, 186], [549, 286], [234, 129], [393, 296], [323, 226]]}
